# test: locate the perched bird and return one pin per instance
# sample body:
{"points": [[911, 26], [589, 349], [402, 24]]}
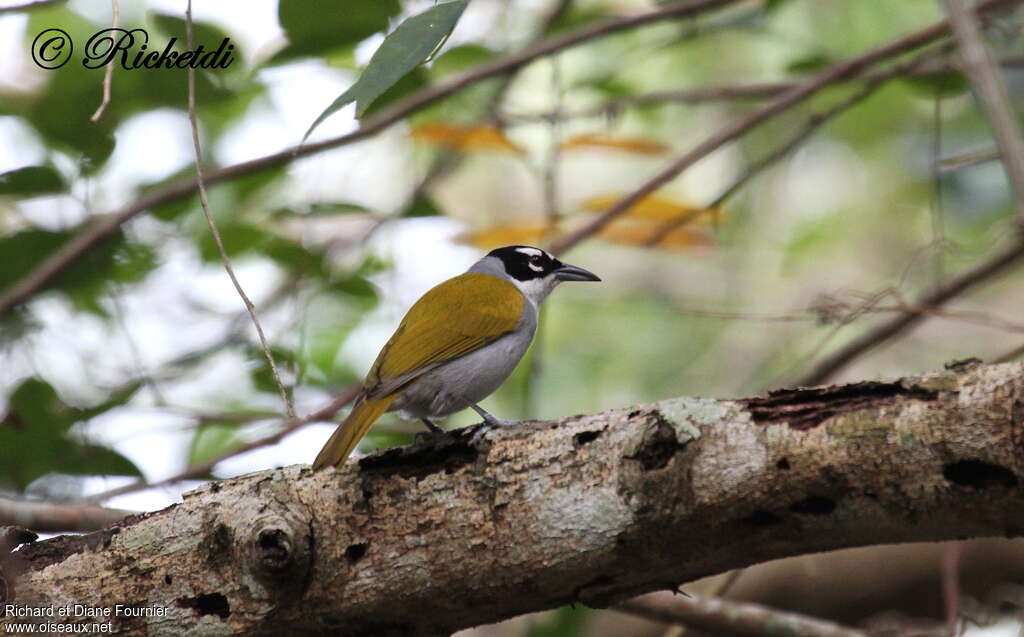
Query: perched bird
{"points": [[456, 345]]}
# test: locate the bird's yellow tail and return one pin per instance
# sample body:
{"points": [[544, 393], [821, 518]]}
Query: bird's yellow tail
{"points": [[351, 431]]}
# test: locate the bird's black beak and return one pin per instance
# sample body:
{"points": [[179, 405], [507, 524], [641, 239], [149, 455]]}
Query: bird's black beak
{"points": [[572, 273]]}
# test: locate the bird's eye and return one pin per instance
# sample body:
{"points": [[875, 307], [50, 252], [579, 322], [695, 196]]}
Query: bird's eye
{"points": [[535, 258]]}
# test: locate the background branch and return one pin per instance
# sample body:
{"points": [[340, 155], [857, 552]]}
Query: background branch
{"points": [[204, 469], [205, 205], [55, 517], [991, 94], [836, 73], [722, 617], [813, 123], [1009, 257]]}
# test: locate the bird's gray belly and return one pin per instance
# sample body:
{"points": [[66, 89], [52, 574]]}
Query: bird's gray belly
{"points": [[466, 380]]}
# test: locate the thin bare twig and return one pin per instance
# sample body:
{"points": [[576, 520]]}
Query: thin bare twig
{"points": [[967, 159], [1002, 261], [720, 617], [203, 470], [52, 517], [289, 407], [715, 93], [813, 123], [108, 74], [991, 94], [107, 226], [799, 93]]}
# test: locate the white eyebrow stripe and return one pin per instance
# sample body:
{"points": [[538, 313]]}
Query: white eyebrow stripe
{"points": [[530, 252]]}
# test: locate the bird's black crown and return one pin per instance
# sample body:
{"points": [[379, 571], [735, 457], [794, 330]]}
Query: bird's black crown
{"points": [[526, 262]]}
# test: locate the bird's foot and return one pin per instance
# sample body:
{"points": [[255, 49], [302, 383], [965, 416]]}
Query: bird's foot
{"points": [[490, 422]]}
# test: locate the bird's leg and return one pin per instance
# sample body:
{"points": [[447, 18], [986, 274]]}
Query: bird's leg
{"points": [[492, 420], [434, 429]]}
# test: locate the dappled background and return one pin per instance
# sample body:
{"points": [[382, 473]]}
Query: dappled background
{"points": [[138, 362]]}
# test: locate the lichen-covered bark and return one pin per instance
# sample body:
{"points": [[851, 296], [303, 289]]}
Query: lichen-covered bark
{"points": [[449, 533]]}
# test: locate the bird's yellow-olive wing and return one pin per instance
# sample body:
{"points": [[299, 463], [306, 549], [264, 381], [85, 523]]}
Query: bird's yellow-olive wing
{"points": [[454, 318]]}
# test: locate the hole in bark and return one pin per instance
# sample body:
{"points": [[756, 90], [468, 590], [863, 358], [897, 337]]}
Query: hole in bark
{"points": [[218, 544], [274, 547], [783, 464], [207, 604], [420, 461], [978, 475], [658, 448], [585, 437], [814, 505], [168, 580], [355, 552], [808, 407], [761, 518]]}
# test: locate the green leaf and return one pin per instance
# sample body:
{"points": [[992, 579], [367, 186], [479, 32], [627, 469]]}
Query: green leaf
{"points": [[85, 459], [404, 49], [262, 375], [565, 622], [314, 27], [809, 63], [31, 181], [356, 286], [609, 84], [294, 257], [405, 86], [460, 58], [204, 34], [237, 237], [212, 440], [578, 16], [332, 209], [943, 83], [34, 439], [88, 278], [421, 206]]}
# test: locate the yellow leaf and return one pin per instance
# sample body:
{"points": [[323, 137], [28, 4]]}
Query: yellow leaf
{"points": [[653, 208], [511, 234], [640, 233], [629, 144], [466, 138]]}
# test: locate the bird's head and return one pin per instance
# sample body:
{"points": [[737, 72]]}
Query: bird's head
{"points": [[534, 271]]}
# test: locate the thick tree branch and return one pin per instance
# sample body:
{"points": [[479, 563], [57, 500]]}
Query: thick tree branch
{"points": [[108, 225], [452, 532]]}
